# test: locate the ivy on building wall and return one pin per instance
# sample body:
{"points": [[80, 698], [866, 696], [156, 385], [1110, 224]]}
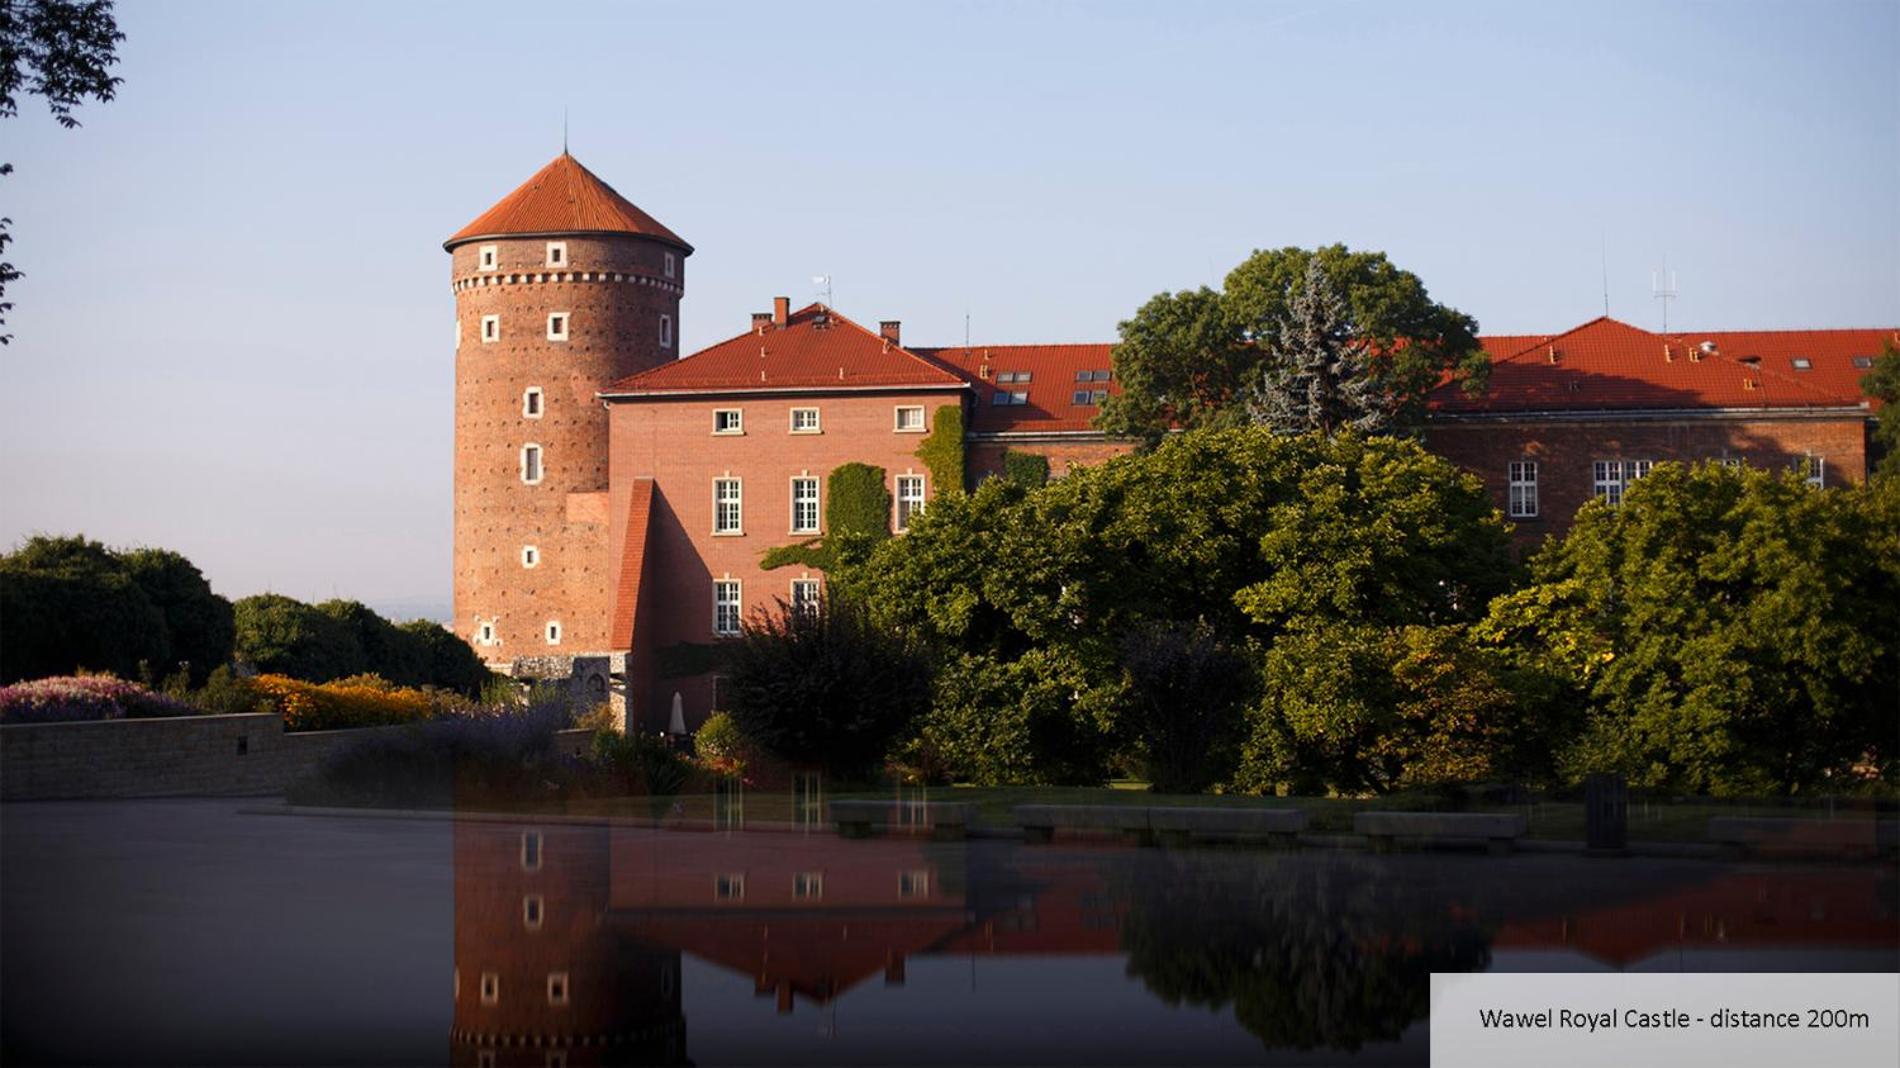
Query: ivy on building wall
{"points": [[857, 517], [1027, 469], [942, 451]]}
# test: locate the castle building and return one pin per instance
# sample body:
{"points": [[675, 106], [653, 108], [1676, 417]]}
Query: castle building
{"points": [[614, 501]]}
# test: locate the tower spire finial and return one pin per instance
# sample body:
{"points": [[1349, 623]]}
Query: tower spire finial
{"points": [[564, 131]]}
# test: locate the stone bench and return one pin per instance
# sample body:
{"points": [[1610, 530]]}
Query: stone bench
{"points": [[1782, 834], [1281, 825], [1498, 830], [944, 819]]}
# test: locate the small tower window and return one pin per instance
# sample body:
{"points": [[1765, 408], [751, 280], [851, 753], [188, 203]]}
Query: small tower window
{"points": [[554, 632], [491, 988], [666, 331], [530, 555], [557, 254], [557, 988], [530, 850], [531, 464], [557, 326], [672, 266], [489, 257], [532, 910], [491, 328], [485, 632], [531, 402]]}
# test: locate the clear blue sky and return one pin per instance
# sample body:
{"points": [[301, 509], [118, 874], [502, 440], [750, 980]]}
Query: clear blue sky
{"points": [[235, 334]]}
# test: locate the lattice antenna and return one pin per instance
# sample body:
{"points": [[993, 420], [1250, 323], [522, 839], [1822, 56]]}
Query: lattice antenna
{"points": [[823, 282], [1662, 286]]}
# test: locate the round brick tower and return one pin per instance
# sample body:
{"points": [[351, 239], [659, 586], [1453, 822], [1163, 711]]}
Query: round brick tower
{"points": [[561, 288]]}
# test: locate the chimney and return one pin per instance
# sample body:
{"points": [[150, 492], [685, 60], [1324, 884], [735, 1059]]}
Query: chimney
{"points": [[781, 310], [761, 320], [891, 330]]}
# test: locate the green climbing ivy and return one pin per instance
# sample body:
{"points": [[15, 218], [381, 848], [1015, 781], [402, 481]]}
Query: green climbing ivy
{"points": [[857, 517], [942, 451], [1027, 469]]}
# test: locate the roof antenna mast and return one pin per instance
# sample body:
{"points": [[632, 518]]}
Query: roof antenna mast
{"points": [[563, 131], [1606, 274], [1662, 286], [825, 281]]}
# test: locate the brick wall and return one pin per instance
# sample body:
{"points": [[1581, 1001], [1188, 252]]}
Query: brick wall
{"points": [[986, 455], [1565, 451], [189, 756]]}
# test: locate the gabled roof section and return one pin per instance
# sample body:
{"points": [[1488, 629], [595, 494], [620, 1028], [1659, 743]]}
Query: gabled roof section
{"points": [[1048, 377], [633, 561], [1608, 365], [817, 350], [564, 198]]}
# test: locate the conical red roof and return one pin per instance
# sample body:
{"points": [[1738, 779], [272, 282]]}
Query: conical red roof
{"points": [[564, 198]]}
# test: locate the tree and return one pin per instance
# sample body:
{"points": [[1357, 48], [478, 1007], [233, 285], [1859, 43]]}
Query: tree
{"points": [[1731, 631], [395, 654], [60, 50], [453, 663], [68, 603], [1883, 384], [1319, 375], [1187, 688], [198, 622], [1194, 359], [278, 635], [1035, 719], [824, 688]]}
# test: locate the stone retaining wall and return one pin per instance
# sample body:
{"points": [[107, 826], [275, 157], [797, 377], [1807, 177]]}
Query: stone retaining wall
{"points": [[187, 756]]}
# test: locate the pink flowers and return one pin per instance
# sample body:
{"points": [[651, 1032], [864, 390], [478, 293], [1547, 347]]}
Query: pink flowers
{"points": [[70, 698]]}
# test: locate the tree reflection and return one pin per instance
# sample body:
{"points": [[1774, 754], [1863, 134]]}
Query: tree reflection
{"points": [[1329, 952]]}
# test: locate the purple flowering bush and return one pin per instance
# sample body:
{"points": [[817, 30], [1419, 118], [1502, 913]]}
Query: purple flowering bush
{"points": [[72, 698]]}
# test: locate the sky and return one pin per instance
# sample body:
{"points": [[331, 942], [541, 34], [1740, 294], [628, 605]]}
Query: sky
{"points": [[235, 334]]}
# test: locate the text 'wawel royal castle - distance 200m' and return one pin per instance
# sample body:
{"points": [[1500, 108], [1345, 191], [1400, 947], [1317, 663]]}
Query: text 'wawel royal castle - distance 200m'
{"points": [[614, 500]]}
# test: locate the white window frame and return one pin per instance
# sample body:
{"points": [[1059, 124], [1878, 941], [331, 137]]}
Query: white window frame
{"points": [[913, 883], [817, 421], [530, 556], [559, 325], [897, 419], [1813, 470], [485, 632], [729, 886], [808, 885], [491, 329], [902, 515], [534, 403], [799, 482], [557, 254], [726, 611], [1610, 479], [552, 632], [672, 265], [558, 989], [540, 463], [738, 421], [534, 911], [666, 331], [533, 844], [721, 528], [488, 258], [491, 988], [1521, 500], [806, 593]]}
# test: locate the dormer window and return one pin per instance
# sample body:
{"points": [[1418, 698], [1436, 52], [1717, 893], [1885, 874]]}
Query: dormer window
{"points": [[489, 257], [1802, 363], [557, 254], [557, 326]]}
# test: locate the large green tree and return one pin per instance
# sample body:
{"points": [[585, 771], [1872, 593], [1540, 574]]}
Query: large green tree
{"points": [[198, 622], [1198, 358], [1883, 384], [281, 635], [1730, 631], [69, 603], [61, 51]]}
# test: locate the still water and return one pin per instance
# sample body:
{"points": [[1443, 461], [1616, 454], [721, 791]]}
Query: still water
{"points": [[194, 933]]}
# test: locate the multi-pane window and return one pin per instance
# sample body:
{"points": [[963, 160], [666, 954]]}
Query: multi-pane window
{"points": [[726, 608], [1523, 489], [805, 420], [728, 421], [1006, 377], [910, 499], [729, 887], [557, 326], [727, 514], [1863, 362], [804, 506], [1092, 376], [531, 402], [913, 883], [805, 595], [808, 884], [1611, 478], [531, 464], [1813, 469], [1088, 396], [1004, 397], [910, 417]]}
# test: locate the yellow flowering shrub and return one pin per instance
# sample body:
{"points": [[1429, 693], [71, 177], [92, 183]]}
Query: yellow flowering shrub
{"points": [[360, 701]]}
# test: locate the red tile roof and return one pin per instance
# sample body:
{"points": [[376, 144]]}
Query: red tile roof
{"points": [[1050, 405], [564, 198], [817, 349], [1607, 365]]}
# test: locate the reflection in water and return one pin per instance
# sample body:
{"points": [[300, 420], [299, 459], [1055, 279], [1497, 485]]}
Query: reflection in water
{"points": [[568, 938]]}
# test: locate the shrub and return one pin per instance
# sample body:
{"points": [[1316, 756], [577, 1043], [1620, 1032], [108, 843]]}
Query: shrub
{"points": [[641, 764], [1187, 688], [67, 605], [599, 718], [1027, 721], [720, 745], [281, 636], [466, 759], [69, 699], [346, 703], [198, 622], [226, 692]]}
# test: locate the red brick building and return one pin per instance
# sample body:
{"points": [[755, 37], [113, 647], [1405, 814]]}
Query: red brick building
{"points": [[614, 501]]}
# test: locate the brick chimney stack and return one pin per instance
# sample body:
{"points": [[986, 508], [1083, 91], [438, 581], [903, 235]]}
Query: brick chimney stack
{"points": [[761, 320], [781, 310], [891, 330]]}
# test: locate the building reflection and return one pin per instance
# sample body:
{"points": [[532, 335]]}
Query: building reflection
{"points": [[568, 939]]}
